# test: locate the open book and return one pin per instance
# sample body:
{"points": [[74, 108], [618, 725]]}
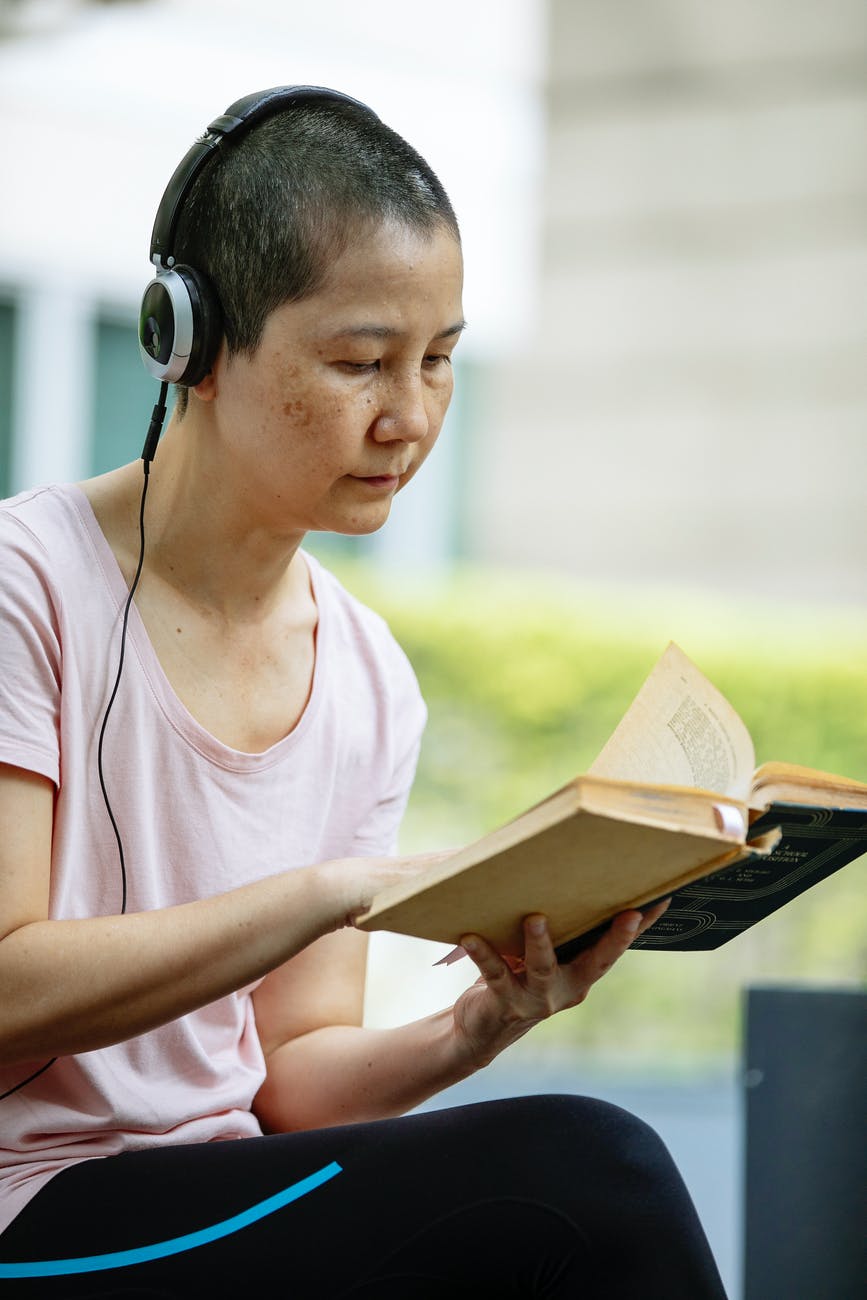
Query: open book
{"points": [[673, 806]]}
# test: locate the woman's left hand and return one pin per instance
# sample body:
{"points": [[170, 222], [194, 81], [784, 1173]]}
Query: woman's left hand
{"points": [[509, 999]]}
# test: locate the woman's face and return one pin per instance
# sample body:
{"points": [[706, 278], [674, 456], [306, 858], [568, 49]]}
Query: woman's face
{"points": [[346, 393]]}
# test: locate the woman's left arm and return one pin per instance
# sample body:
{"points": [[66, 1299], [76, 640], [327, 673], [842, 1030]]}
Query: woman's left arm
{"points": [[324, 1068]]}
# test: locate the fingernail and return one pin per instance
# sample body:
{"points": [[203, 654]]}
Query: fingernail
{"points": [[537, 925], [632, 924]]}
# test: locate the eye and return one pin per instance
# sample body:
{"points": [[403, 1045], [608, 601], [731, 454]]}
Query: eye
{"points": [[360, 367], [434, 359]]}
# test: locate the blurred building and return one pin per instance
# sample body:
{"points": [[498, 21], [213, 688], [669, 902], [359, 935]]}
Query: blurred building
{"points": [[692, 407], [664, 208]]}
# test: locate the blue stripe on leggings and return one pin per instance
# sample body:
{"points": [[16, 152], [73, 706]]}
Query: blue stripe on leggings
{"points": [[175, 1245]]}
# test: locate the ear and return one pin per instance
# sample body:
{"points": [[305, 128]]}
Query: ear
{"points": [[206, 389]]}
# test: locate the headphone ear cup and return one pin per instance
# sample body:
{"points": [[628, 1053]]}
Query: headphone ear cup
{"points": [[180, 326], [207, 325]]}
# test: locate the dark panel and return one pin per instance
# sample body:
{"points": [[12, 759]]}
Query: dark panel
{"points": [[806, 1190]]}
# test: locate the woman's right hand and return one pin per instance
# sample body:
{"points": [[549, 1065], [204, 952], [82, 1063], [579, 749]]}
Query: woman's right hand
{"points": [[355, 882]]}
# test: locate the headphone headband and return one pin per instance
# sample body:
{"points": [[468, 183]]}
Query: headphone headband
{"points": [[236, 121], [181, 317]]}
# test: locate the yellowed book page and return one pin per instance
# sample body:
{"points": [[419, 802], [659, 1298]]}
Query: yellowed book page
{"points": [[679, 730], [789, 783]]}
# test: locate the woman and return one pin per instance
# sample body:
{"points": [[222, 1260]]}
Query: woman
{"points": [[189, 1096]]}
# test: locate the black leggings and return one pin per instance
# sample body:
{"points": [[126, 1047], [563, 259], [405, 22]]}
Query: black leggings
{"points": [[536, 1196]]}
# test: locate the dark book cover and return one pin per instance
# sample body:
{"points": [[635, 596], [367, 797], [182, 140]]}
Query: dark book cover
{"points": [[814, 843]]}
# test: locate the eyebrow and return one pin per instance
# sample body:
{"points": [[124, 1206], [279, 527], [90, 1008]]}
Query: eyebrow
{"points": [[388, 332]]}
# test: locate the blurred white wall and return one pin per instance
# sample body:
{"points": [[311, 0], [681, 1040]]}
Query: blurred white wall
{"points": [[693, 406]]}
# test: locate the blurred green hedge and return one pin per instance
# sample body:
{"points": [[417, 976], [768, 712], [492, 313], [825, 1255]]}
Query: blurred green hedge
{"points": [[525, 678]]}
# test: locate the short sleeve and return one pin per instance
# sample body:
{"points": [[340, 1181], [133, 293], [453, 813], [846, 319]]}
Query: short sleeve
{"points": [[378, 835], [30, 654]]}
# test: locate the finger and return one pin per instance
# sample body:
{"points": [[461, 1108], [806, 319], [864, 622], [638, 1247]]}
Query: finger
{"points": [[634, 922], [492, 967], [593, 962], [650, 915], [419, 862], [623, 931], [540, 959]]}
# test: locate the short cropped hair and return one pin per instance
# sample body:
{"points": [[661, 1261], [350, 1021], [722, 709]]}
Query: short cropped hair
{"points": [[266, 218]]}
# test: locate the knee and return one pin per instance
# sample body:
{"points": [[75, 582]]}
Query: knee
{"points": [[625, 1135], [598, 1136], [550, 1138]]}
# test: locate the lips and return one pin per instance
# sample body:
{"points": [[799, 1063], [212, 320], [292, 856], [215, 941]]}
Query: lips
{"points": [[378, 480], [381, 480]]}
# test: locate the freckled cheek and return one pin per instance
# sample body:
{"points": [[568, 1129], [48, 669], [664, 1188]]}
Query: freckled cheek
{"points": [[307, 425], [296, 409], [310, 415], [296, 413]]}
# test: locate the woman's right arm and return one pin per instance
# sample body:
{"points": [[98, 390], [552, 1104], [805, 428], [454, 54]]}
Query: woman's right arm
{"points": [[69, 986]]}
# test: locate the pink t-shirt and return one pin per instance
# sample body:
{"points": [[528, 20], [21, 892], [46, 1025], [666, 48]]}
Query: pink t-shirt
{"points": [[196, 818]]}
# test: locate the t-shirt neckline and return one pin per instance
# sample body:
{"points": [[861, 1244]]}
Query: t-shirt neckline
{"points": [[175, 711]]}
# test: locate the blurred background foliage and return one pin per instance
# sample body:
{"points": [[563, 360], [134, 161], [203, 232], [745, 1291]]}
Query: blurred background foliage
{"points": [[526, 675]]}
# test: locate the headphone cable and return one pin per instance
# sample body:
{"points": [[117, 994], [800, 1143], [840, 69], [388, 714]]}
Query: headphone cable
{"points": [[108, 707]]}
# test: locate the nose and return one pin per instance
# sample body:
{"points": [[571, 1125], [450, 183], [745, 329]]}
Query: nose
{"points": [[405, 413]]}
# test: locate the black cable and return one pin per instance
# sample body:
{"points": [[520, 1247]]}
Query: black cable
{"points": [[158, 415], [126, 609]]}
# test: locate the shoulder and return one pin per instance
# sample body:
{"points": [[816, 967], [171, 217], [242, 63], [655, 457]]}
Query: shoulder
{"points": [[353, 621], [41, 522], [45, 546], [359, 634]]}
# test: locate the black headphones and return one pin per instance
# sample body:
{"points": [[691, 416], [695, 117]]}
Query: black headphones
{"points": [[181, 321]]}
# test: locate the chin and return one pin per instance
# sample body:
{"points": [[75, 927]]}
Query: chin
{"points": [[360, 526]]}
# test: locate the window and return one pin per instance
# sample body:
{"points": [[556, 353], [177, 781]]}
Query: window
{"points": [[123, 397]]}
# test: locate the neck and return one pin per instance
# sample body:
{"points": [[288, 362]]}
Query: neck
{"points": [[205, 537]]}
